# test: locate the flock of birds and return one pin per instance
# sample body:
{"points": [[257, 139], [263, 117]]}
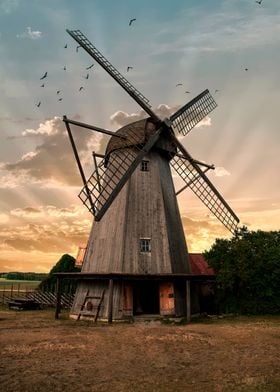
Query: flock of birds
{"points": [[85, 77], [59, 91], [131, 21]]}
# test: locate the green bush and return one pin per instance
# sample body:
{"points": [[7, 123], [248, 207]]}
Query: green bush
{"points": [[247, 269], [65, 264]]}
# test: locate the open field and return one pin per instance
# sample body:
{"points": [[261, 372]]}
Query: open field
{"points": [[12, 288], [41, 354], [7, 283]]}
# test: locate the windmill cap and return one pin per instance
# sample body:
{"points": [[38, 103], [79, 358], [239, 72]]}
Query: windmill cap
{"points": [[137, 134]]}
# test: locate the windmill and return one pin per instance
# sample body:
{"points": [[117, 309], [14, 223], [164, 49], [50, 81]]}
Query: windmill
{"points": [[137, 228]]}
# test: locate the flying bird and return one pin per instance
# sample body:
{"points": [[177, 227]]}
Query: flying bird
{"points": [[86, 77], [81, 88], [179, 84], [60, 99], [128, 68], [131, 21], [44, 76], [65, 47], [64, 68], [90, 66], [246, 69], [187, 92], [38, 104], [77, 48], [259, 2], [58, 91], [43, 85]]}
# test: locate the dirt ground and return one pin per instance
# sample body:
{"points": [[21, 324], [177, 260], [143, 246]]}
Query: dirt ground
{"points": [[39, 353]]}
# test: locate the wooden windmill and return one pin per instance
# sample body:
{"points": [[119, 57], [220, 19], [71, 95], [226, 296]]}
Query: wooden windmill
{"points": [[138, 231]]}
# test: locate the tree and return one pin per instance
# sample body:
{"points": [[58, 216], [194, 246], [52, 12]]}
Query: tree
{"points": [[247, 269], [65, 264]]}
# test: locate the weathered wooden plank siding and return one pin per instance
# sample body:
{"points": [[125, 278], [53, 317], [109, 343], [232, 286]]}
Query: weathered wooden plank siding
{"points": [[95, 289], [146, 207]]}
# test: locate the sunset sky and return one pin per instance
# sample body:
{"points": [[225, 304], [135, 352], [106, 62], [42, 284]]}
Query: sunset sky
{"points": [[199, 43]]}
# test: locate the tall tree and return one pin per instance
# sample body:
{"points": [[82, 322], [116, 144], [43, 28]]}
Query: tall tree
{"points": [[247, 271], [65, 264]]}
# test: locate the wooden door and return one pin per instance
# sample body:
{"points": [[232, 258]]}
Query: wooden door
{"points": [[166, 299], [127, 300]]}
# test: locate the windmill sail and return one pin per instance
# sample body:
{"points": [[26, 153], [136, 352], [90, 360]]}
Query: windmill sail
{"points": [[203, 188], [186, 118], [113, 172], [119, 78]]}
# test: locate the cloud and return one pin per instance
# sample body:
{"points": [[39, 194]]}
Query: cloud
{"points": [[48, 211], [9, 180], [201, 233], [206, 122], [121, 118], [225, 31], [163, 111], [52, 160], [32, 34], [4, 218], [57, 237], [221, 172]]}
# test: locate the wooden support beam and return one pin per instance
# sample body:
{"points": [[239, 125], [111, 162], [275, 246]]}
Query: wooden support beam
{"points": [[110, 301], [58, 298], [66, 121], [92, 127], [188, 300]]}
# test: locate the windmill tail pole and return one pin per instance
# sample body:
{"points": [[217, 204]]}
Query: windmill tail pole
{"points": [[65, 120]]}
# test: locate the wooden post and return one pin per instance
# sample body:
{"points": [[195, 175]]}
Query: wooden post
{"points": [[188, 300], [58, 297], [110, 301]]}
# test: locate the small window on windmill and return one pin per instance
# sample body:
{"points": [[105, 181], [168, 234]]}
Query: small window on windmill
{"points": [[145, 245], [145, 166]]}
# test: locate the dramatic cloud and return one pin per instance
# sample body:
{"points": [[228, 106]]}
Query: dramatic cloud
{"points": [[62, 236], [221, 172], [53, 160], [121, 119], [201, 233], [32, 34]]}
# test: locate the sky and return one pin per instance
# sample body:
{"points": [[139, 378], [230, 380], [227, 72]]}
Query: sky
{"points": [[197, 43]]}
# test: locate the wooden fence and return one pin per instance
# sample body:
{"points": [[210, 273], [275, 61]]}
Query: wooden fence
{"points": [[44, 298]]}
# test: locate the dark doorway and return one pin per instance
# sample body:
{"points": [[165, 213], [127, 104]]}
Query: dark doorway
{"points": [[145, 298]]}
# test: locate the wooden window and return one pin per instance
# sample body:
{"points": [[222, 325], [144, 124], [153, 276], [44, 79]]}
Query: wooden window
{"points": [[145, 166], [145, 245]]}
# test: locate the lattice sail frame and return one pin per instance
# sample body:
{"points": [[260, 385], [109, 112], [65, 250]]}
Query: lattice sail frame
{"points": [[112, 173], [186, 118], [126, 85], [199, 184], [110, 176]]}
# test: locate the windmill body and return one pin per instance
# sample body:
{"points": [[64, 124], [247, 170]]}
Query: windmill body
{"points": [[138, 232], [141, 233]]}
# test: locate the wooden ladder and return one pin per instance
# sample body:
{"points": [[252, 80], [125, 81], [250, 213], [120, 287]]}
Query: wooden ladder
{"points": [[84, 312]]}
